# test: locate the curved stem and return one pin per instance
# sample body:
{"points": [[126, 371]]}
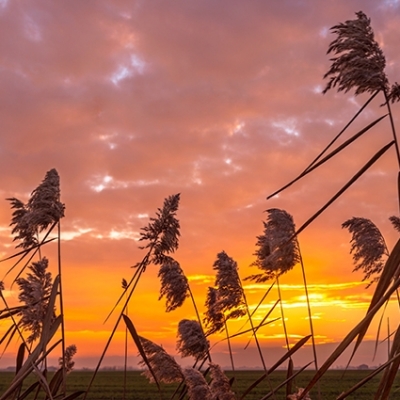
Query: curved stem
{"points": [[282, 313]]}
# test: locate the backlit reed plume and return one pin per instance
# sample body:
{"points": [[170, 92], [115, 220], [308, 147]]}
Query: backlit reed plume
{"points": [[68, 363], [174, 284], [230, 291], [162, 232], [226, 301], [367, 246], [164, 366], [278, 250], [395, 222], [43, 209], [197, 386], [34, 292], [191, 340], [220, 386], [214, 317], [359, 61]]}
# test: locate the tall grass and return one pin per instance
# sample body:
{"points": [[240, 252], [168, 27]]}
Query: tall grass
{"points": [[38, 321]]}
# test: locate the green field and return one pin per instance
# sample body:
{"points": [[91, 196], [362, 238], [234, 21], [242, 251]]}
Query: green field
{"points": [[109, 385]]}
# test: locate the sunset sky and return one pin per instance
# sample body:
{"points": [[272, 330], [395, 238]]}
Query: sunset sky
{"points": [[220, 101]]}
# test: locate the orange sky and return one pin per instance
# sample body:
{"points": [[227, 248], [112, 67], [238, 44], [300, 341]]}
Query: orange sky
{"points": [[132, 101]]}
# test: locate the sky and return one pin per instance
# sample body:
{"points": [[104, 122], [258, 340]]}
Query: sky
{"points": [[220, 101]]}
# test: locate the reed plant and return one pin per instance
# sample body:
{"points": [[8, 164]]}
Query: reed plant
{"points": [[37, 319], [358, 64]]}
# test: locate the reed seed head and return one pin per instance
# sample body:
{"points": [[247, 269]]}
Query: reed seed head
{"points": [[278, 250], [367, 246], [230, 291], [191, 340], [174, 284], [162, 233], [164, 366], [34, 292], [214, 317], [220, 387], [359, 61], [68, 363], [44, 204], [43, 209], [395, 222], [197, 386]]}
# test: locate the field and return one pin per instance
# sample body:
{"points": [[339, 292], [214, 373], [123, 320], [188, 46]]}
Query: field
{"points": [[109, 385]]}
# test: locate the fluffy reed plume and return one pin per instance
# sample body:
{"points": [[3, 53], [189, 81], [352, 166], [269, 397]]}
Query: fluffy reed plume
{"points": [[164, 366], [299, 395], [278, 250], [23, 230], [395, 222], [220, 387], [394, 93], [214, 317], [34, 292], [367, 246], [191, 340], [197, 385], [68, 362], [359, 61], [230, 291], [44, 203], [43, 209], [174, 284], [163, 231]]}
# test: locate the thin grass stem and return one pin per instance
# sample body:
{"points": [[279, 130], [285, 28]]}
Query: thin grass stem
{"points": [[256, 338], [64, 388], [125, 356], [342, 131], [198, 317], [345, 187], [229, 345], [309, 311], [314, 347], [282, 314], [142, 267], [328, 157], [393, 127]]}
